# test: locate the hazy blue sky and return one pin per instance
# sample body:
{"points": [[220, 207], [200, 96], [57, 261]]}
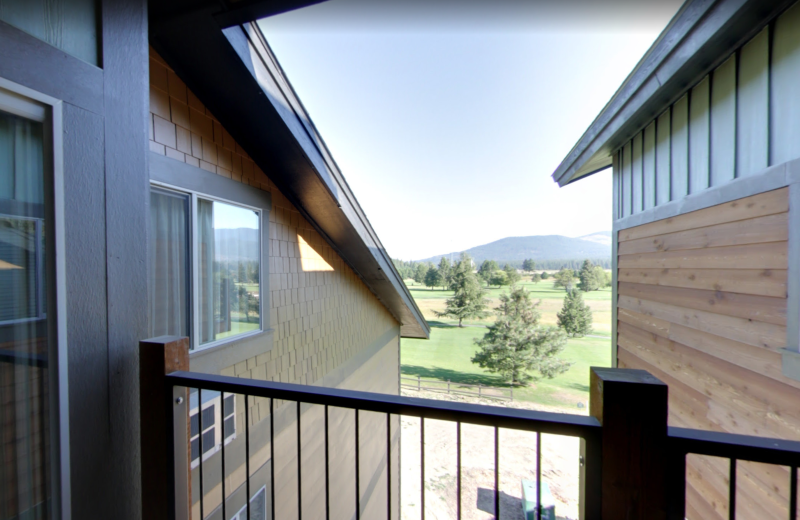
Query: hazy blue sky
{"points": [[447, 119]]}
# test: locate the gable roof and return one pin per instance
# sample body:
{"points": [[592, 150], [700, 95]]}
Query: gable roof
{"points": [[225, 60], [700, 37]]}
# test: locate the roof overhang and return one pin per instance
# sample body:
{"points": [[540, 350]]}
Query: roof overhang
{"points": [[225, 60], [702, 35]]}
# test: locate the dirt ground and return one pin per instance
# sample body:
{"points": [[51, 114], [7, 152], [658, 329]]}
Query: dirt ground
{"points": [[517, 461]]}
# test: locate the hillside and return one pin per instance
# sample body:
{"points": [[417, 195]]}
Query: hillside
{"points": [[514, 250]]}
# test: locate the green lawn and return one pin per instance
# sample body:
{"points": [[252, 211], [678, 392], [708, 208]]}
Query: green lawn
{"points": [[447, 356]]}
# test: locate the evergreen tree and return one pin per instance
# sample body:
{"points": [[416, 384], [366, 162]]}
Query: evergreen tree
{"points": [[498, 278], [433, 278], [545, 275], [512, 276], [588, 277], [516, 347], [528, 265], [469, 300], [565, 278], [576, 316], [536, 278], [487, 270], [445, 269]]}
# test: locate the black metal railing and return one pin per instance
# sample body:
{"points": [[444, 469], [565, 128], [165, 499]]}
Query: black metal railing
{"points": [[735, 448], [584, 427]]}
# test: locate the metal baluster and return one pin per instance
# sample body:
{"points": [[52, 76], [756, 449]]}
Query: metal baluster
{"points": [[327, 470], [299, 469], [422, 465], [222, 425], [247, 452], [793, 493], [271, 458], [538, 476], [458, 469], [200, 429], [389, 466], [358, 473], [496, 473], [732, 491]]}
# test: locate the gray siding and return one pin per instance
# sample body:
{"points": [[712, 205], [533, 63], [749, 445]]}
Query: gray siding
{"points": [[738, 120]]}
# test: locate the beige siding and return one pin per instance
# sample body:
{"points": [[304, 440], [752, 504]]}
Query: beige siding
{"points": [[329, 329], [702, 306]]}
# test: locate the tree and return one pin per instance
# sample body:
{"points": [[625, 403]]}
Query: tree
{"points": [[469, 300], [528, 265], [536, 278], [516, 347], [602, 278], [575, 316], [498, 278], [487, 269], [564, 278], [433, 278], [512, 276], [588, 277], [545, 275], [445, 269], [419, 272]]}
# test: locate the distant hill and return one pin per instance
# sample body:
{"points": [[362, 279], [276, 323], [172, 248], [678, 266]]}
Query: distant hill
{"points": [[234, 245], [514, 250]]}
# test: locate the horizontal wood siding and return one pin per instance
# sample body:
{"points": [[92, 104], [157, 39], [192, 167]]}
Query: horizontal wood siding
{"points": [[702, 306]]}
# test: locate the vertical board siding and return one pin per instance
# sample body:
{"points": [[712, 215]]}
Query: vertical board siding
{"points": [[636, 174], [784, 131], [649, 166], [752, 106], [663, 159], [711, 327], [679, 174], [699, 136], [723, 123], [627, 194]]}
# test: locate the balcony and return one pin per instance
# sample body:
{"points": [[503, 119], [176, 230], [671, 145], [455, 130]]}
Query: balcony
{"points": [[336, 452]]}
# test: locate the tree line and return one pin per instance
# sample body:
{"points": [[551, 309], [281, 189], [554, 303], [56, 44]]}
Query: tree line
{"points": [[516, 345]]}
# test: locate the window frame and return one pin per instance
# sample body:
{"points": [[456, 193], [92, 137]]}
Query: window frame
{"points": [[194, 275], [218, 425]]}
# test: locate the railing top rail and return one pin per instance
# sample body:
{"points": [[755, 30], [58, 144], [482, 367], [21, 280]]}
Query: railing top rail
{"points": [[731, 445], [513, 418]]}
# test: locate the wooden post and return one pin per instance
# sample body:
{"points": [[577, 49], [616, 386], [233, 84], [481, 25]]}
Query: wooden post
{"points": [[164, 435], [479, 389], [632, 407], [448, 386], [419, 384]]}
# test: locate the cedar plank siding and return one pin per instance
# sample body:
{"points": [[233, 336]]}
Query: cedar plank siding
{"points": [[329, 329], [702, 306]]}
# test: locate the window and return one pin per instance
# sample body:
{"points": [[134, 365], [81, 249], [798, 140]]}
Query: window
{"points": [[207, 429], [205, 267], [258, 507]]}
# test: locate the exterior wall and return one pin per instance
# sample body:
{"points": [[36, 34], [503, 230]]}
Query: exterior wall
{"points": [[735, 122], [702, 305], [328, 329]]}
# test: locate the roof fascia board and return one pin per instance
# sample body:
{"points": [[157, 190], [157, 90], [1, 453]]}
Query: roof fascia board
{"points": [[685, 59], [246, 11]]}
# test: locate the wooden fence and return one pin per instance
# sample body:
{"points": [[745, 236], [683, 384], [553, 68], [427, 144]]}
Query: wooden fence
{"points": [[491, 392]]}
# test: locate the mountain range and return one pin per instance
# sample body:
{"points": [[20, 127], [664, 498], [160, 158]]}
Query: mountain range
{"points": [[513, 250]]}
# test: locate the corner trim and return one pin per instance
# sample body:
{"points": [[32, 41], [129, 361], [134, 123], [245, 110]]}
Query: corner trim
{"points": [[790, 363]]}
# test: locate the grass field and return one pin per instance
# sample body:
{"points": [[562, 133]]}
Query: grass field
{"points": [[446, 356]]}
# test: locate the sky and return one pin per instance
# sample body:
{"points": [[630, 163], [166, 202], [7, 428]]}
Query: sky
{"points": [[448, 118]]}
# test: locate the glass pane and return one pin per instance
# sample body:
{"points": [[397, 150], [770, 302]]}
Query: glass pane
{"points": [[229, 264], [25, 485], [169, 263]]}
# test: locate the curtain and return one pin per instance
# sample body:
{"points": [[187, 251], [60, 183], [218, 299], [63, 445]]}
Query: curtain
{"points": [[208, 290], [169, 264]]}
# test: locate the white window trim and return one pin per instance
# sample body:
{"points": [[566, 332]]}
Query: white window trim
{"points": [[242, 513], [219, 426], [195, 275], [28, 103]]}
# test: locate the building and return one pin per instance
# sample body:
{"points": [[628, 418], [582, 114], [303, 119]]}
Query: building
{"points": [[159, 176], [704, 142]]}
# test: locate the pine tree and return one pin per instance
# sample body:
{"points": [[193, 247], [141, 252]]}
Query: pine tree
{"points": [[420, 271], [516, 347], [528, 265], [588, 277], [575, 316], [469, 300], [433, 278], [487, 270]]}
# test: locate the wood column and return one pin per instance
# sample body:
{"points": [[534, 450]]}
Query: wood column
{"points": [[164, 419], [632, 407]]}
